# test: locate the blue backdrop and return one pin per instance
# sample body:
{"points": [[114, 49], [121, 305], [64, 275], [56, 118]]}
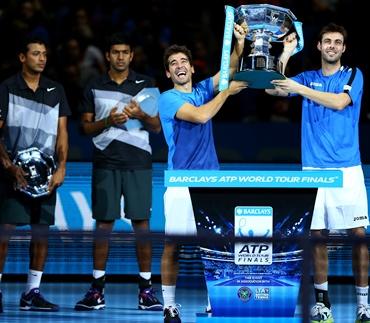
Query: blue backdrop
{"points": [[73, 212]]}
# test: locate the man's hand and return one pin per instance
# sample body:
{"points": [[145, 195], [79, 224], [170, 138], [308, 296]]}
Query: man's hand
{"points": [[117, 118], [240, 31], [19, 176], [57, 179], [236, 86], [287, 85], [290, 43], [133, 111]]}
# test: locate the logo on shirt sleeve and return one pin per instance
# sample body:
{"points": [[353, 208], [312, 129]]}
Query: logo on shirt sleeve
{"points": [[347, 87]]}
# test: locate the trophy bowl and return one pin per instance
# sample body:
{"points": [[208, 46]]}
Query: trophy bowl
{"points": [[39, 167], [267, 24]]}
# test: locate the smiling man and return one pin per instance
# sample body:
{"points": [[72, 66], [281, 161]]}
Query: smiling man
{"points": [[330, 120], [186, 112]]}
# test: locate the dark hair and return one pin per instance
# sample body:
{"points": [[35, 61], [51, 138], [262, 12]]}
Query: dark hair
{"points": [[174, 49], [333, 28], [118, 38], [30, 39]]}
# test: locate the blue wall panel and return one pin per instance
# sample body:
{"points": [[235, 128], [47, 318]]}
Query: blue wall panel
{"points": [[73, 213]]}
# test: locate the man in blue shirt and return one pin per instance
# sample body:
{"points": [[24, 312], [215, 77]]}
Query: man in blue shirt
{"points": [[186, 112], [330, 118]]}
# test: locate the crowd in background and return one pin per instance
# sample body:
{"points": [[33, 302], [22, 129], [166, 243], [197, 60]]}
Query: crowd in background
{"points": [[75, 31]]}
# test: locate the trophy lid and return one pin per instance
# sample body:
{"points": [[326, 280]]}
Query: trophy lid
{"points": [[272, 20]]}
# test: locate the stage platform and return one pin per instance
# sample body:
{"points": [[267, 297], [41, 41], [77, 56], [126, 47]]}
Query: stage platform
{"points": [[121, 300]]}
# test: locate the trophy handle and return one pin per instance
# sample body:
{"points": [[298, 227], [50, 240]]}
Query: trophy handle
{"points": [[299, 30]]}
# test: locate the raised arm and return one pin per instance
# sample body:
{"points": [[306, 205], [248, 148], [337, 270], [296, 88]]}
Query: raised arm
{"points": [[240, 31], [290, 43], [206, 111]]}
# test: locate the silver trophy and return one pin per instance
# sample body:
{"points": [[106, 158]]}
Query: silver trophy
{"points": [[267, 24], [39, 167]]}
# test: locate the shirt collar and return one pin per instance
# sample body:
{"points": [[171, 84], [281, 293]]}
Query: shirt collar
{"points": [[131, 77], [23, 85]]}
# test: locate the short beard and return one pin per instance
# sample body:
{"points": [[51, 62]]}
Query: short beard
{"points": [[331, 62]]}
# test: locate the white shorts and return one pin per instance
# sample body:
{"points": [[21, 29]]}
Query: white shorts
{"points": [[178, 212], [342, 207]]}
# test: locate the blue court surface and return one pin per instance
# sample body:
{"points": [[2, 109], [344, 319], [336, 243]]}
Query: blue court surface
{"points": [[68, 272], [121, 299]]}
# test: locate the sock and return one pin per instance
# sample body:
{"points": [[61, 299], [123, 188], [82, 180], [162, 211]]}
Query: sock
{"points": [[33, 279], [145, 274], [144, 281], [362, 294], [321, 294], [1, 275], [98, 280], [98, 273], [168, 293]]}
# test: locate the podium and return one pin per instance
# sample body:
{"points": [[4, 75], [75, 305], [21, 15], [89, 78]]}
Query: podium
{"points": [[249, 277]]}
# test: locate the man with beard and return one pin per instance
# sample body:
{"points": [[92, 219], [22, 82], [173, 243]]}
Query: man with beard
{"points": [[330, 119]]}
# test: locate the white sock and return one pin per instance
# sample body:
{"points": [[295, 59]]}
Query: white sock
{"points": [[33, 279], [168, 293], [146, 275], [98, 273], [362, 294], [209, 307], [323, 286]]}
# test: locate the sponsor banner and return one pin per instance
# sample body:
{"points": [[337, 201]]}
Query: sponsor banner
{"points": [[249, 295], [278, 179], [253, 221], [262, 294]]}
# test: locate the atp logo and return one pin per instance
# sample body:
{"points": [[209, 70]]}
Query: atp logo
{"points": [[244, 294], [253, 221]]}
